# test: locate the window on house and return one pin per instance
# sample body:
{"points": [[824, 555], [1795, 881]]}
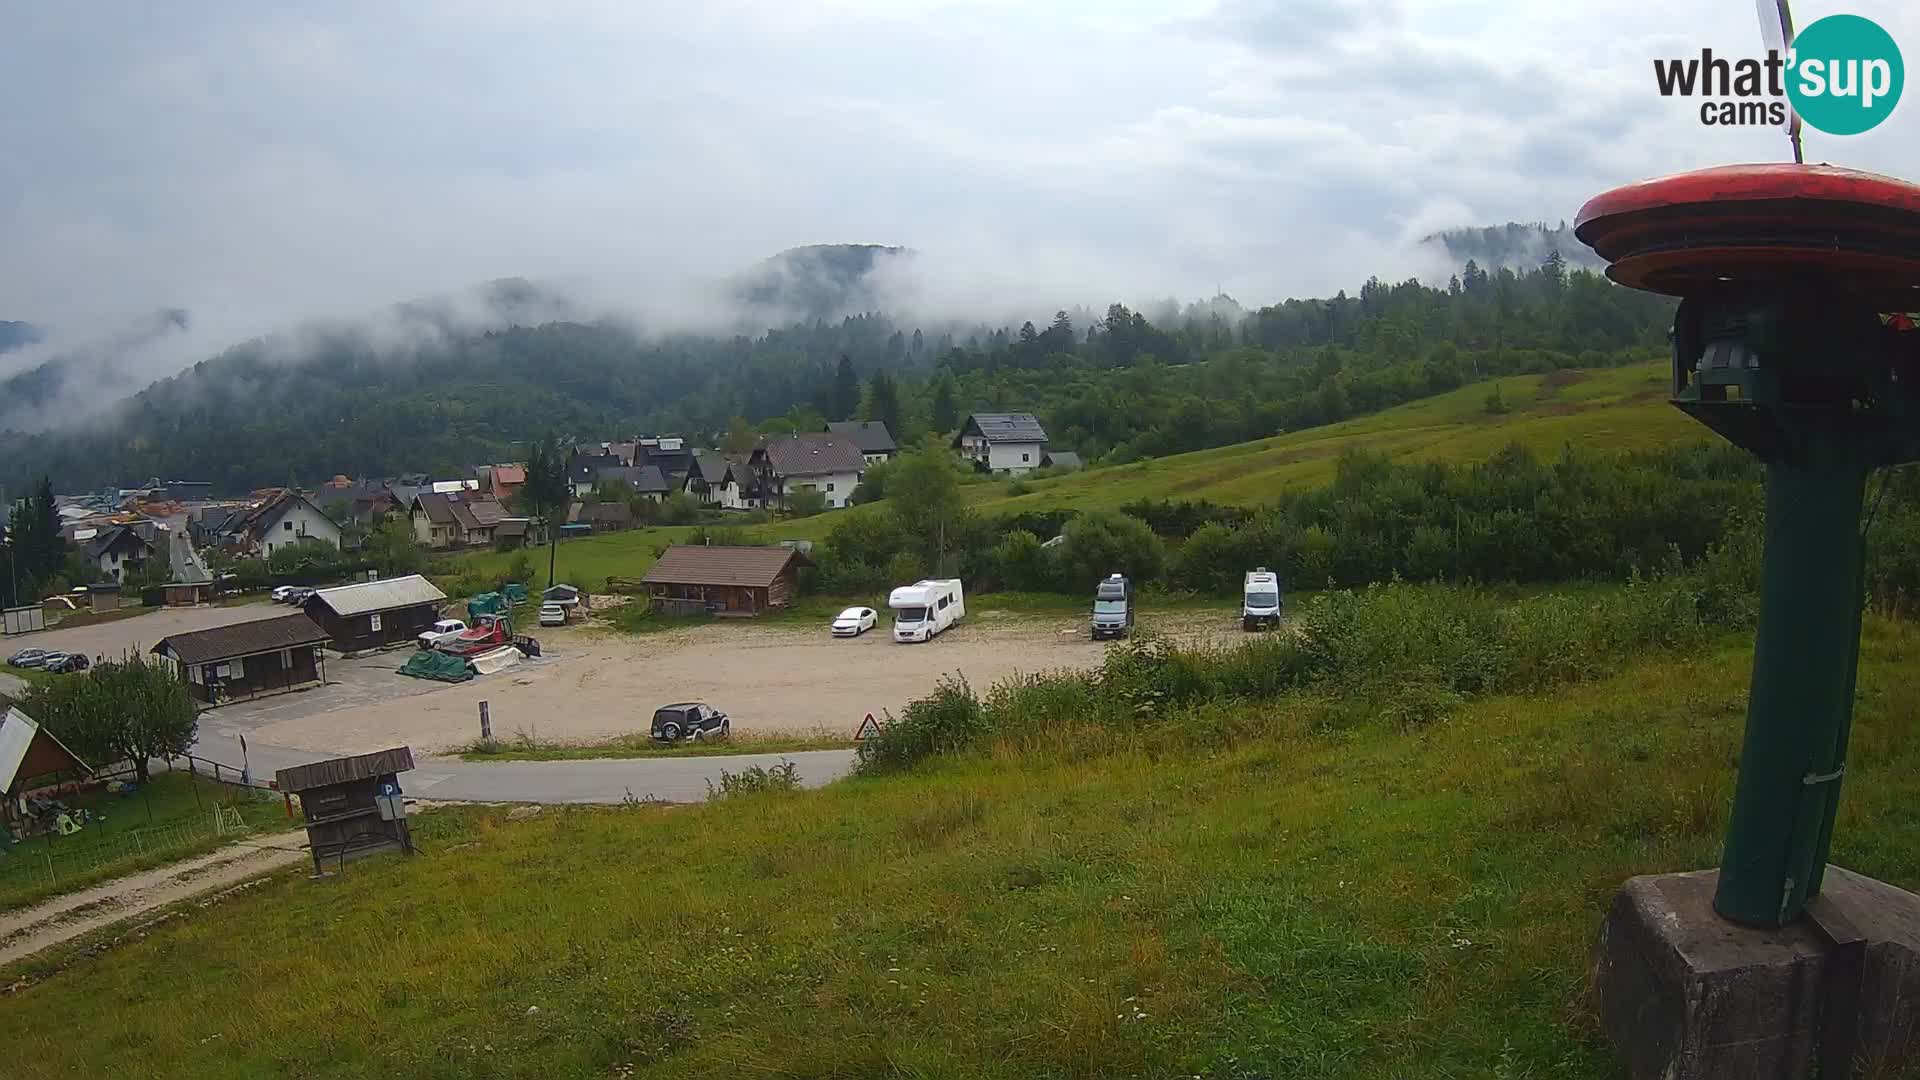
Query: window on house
{"points": [[829, 485], [1026, 457], [287, 525]]}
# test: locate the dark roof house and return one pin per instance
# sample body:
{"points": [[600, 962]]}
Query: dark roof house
{"points": [[809, 455], [584, 469], [1004, 427], [246, 660], [1062, 459], [871, 436]]}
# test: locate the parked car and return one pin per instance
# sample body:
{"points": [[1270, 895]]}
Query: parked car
{"points": [[29, 658], [553, 614], [855, 621], [63, 663], [443, 630], [671, 723], [282, 594]]}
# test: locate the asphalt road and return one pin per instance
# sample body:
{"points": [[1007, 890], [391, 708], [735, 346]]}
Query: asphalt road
{"points": [[604, 780]]}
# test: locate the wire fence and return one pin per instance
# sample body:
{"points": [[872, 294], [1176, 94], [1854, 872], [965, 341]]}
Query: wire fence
{"points": [[63, 858]]}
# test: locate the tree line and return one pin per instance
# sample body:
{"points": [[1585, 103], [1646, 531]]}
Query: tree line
{"points": [[1517, 517]]}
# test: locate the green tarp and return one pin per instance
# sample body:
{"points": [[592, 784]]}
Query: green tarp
{"points": [[487, 603], [433, 664], [516, 593]]}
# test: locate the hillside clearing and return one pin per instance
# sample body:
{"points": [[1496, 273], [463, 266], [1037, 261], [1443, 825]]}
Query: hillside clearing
{"points": [[1289, 897]]}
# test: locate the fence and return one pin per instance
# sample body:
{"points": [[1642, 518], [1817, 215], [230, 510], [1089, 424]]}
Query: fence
{"points": [[55, 858]]}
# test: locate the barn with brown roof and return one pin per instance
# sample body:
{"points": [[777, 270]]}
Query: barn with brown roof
{"points": [[692, 578]]}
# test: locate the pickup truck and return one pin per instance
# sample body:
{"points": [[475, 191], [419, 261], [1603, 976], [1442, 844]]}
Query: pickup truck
{"points": [[444, 630]]}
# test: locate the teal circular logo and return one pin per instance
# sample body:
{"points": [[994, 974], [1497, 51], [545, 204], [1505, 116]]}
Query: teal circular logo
{"points": [[1844, 74]]}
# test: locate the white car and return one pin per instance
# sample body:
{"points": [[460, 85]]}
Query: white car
{"points": [[855, 621], [553, 614], [281, 593], [442, 630]]}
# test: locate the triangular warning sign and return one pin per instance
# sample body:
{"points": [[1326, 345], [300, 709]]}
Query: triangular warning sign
{"points": [[868, 728]]}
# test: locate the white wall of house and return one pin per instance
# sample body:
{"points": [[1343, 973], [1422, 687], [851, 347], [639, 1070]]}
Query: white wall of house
{"points": [[873, 459], [1014, 458], [837, 487], [730, 497], [301, 523]]}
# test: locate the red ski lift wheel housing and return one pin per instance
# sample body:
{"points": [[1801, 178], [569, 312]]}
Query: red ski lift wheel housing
{"points": [[1738, 228]]}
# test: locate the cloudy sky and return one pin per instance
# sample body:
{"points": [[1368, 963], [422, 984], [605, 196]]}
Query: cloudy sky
{"points": [[259, 163]]}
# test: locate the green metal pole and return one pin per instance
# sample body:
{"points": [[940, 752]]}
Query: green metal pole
{"points": [[1801, 701]]}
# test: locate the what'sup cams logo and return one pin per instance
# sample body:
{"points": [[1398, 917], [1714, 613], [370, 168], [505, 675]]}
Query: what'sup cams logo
{"points": [[1842, 75]]}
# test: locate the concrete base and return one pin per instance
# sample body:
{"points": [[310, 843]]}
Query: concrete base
{"points": [[1684, 993]]}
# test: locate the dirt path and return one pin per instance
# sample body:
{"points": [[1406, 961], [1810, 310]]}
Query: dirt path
{"points": [[25, 932]]}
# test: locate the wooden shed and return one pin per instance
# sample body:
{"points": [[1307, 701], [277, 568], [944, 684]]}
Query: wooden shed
{"points": [[246, 660], [692, 578], [353, 805], [375, 614]]}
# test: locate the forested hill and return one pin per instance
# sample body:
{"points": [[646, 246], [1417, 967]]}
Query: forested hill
{"points": [[1515, 245], [1114, 387]]}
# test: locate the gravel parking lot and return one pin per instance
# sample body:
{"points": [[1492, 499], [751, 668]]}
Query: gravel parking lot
{"points": [[137, 633], [770, 680]]}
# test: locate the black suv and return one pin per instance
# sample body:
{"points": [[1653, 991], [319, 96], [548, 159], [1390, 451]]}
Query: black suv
{"points": [[671, 723]]}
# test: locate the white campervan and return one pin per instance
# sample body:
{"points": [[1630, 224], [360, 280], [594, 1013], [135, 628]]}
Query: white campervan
{"points": [[925, 608], [1260, 600]]}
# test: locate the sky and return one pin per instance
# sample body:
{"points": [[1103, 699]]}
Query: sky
{"points": [[260, 164]]}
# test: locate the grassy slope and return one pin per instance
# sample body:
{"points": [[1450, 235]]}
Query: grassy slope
{"points": [[1597, 408], [1293, 902], [1603, 407]]}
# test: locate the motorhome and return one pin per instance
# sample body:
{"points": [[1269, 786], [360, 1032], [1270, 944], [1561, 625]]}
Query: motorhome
{"points": [[1112, 607], [926, 608], [1260, 600]]}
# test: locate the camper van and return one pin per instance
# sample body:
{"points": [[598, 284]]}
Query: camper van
{"points": [[1112, 607], [1260, 600], [925, 608]]}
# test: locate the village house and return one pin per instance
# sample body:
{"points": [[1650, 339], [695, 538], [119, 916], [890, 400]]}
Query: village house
{"points": [[871, 436], [447, 521], [282, 519], [1064, 460], [583, 470], [1011, 443], [647, 481], [692, 578], [669, 453], [119, 551], [706, 472], [505, 482], [783, 465]]}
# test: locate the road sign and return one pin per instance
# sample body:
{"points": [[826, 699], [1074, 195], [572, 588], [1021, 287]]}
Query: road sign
{"points": [[868, 728]]}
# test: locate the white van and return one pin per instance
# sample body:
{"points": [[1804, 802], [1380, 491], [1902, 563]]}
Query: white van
{"points": [[925, 608], [1260, 600]]}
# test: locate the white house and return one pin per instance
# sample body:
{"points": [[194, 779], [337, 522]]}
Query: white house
{"points": [[287, 519], [871, 436], [1011, 443], [829, 464], [119, 552]]}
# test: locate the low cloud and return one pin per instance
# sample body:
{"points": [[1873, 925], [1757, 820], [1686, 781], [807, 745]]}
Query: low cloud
{"points": [[263, 169]]}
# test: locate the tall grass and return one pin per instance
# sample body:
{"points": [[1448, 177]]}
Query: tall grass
{"points": [[1405, 653]]}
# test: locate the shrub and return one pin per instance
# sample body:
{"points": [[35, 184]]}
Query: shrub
{"points": [[755, 779], [1098, 544], [806, 503], [946, 721]]}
